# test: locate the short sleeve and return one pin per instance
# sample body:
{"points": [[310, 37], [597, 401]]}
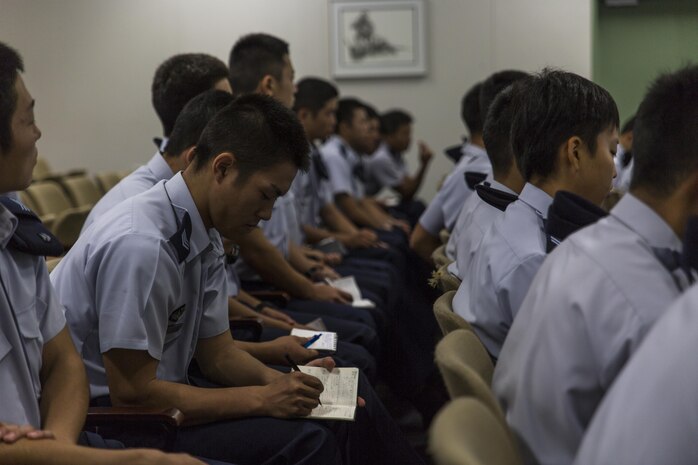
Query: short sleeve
{"points": [[386, 173], [513, 287], [137, 283], [214, 320], [340, 174], [432, 220], [53, 319]]}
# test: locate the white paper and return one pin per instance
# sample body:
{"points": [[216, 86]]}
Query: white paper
{"points": [[348, 285], [327, 340], [339, 397]]}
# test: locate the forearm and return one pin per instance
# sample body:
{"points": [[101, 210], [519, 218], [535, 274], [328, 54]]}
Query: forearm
{"points": [[265, 352], [410, 185], [336, 221], [359, 215], [238, 309], [50, 452], [65, 393], [273, 267], [299, 260], [375, 210], [236, 367], [314, 235], [423, 243]]}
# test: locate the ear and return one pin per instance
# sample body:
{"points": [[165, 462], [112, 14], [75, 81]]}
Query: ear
{"points": [[303, 114], [572, 153], [224, 165], [267, 85], [188, 156]]}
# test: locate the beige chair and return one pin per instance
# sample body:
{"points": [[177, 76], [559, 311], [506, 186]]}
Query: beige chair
{"points": [[439, 257], [41, 170], [444, 235], [27, 201], [466, 374], [107, 180], [51, 263], [465, 432], [445, 281], [52, 204], [448, 320], [81, 190]]}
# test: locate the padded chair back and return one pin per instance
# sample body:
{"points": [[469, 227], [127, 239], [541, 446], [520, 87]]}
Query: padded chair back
{"points": [[448, 320], [444, 235], [445, 281], [461, 378], [48, 197], [439, 257], [52, 263], [465, 432], [81, 190], [41, 170], [27, 201], [107, 180]]}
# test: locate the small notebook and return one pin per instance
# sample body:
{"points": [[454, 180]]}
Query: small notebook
{"points": [[327, 341], [316, 324], [339, 397], [348, 285]]}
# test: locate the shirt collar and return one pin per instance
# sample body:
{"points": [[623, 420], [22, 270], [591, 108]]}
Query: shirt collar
{"points": [[163, 144], [499, 186], [159, 167], [345, 149], [537, 199], [182, 201], [8, 224], [473, 150], [644, 221]]}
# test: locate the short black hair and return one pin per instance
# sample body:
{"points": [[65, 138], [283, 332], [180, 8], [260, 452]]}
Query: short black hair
{"points": [[259, 131], [181, 78], [254, 56], [10, 66], [393, 120], [371, 111], [313, 93], [552, 107], [494, 84], [665, 143], [193, 119], [497, 131], [628, 126], [346, 109], [470, 109]]}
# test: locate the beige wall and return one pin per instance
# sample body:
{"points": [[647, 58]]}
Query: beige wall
{"points": [[90, 62]]}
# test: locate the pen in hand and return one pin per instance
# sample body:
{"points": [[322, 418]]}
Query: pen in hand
{"points": [[312, 340], [295, 368]]}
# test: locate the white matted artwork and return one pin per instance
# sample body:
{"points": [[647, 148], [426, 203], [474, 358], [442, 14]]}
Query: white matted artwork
{"points": [[380, 38]]}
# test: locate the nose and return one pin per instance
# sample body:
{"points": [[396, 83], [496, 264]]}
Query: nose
{"points": [[265, 213], [38, 133]]}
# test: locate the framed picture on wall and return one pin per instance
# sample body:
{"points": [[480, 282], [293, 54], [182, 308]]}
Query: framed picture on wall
{"points": [[379, 38]]}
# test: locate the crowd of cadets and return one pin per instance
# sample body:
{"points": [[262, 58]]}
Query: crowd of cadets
{"points": [[274, 188]]}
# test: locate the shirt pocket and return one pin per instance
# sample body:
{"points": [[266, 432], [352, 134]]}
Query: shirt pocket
{"points": [[28, 322]]}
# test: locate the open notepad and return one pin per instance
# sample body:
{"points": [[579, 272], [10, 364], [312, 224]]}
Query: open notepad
{"points": [[339, 397], [348, 285], [326, 342]]}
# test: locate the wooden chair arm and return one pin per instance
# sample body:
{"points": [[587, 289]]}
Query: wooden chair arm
{"points": [[102, 416], [253, 325]]}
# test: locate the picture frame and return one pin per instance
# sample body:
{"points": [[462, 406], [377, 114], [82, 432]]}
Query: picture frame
{"points": [[379, 38]]}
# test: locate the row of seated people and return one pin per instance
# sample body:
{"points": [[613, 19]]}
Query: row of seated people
{"points": [[148, 288], [563, 294]]}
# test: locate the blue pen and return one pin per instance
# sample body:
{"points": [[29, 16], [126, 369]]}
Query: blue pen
{"points": [[312, 340]]}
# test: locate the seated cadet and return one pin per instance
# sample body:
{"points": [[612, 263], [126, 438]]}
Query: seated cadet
{"points": [[560, 135], [488, 92], [342, 156], [443, 210], [145, 294], [386, 168], [315, 105], [179, 79], [493, 196], [42, 378], [624, 157], [600, 291]]}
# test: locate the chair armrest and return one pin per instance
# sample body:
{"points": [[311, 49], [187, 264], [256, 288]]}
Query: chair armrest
{"points": [[253, 325], [102, 416], [278, 298]]}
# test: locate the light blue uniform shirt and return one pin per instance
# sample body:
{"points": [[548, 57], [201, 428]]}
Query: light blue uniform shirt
{"points": [[474, 220], [503, 267], [342, 163], [139, 181], [650, 414], [30, 316], [123, 286], [443, 210], [311, 193], [589, 307], [384, 169]]}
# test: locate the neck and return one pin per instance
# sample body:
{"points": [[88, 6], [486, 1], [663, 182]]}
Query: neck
{"points": [[512, 180], [198, 189], [674, 209], [172, 162], [476, 139], [550, 186]]}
